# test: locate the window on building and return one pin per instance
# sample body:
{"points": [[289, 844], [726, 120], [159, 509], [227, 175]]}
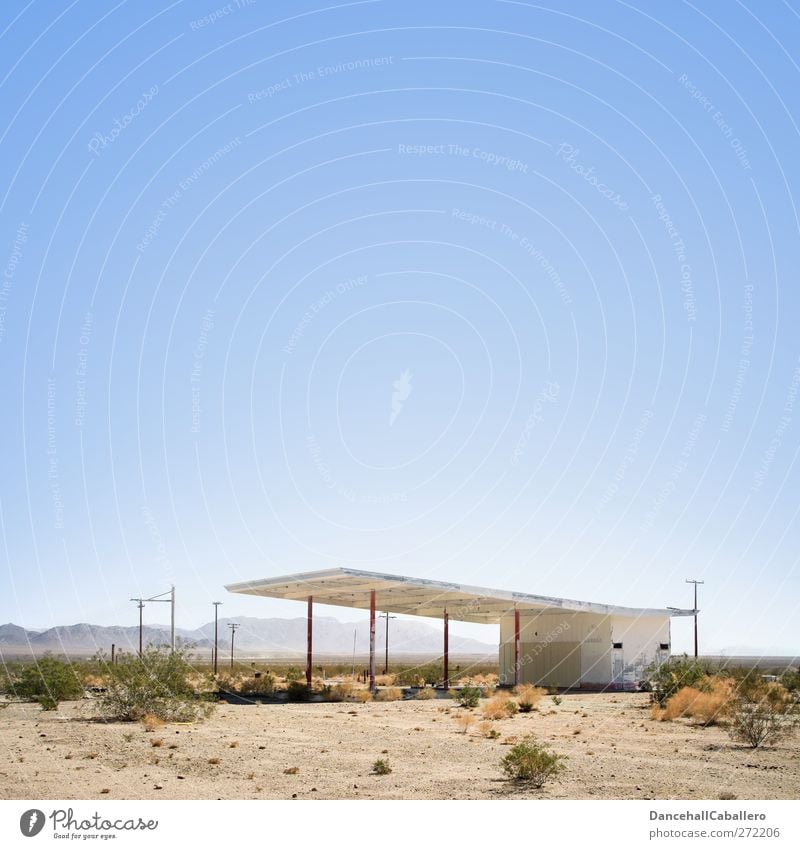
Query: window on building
{"points": [[616, 645], [664, 646]]}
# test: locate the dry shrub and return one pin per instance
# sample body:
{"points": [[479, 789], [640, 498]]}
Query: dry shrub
{"points": [[465, 721], [529, 696], [385, 680], [500, 707], [291, 770], [339, 692], [486, 729], [361, 696], [213, 761], [707, 707], [425, 693], [151, 722], [157, 743], [389, 694], [656, 713]]}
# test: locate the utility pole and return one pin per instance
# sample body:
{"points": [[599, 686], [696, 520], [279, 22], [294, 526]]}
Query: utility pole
{"points": [[694, 610], [233, 626], [160, 597], [386, 660], [172, 619], [140, 605], [216, 633]]}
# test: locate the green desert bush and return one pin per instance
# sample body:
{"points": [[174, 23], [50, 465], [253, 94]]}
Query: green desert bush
{"points": [[468, 697], [678, 672], [48, 681], [159, 684], [791, 680], [766, 719], [532, 763], [297, 691], [417, 676], [381, 767]]}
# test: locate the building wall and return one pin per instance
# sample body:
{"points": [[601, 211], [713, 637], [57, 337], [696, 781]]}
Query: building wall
{"points": [[641, 644], [569, 649]]}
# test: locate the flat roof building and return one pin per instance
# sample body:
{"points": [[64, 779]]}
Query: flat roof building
{"points": [[555, 642]]}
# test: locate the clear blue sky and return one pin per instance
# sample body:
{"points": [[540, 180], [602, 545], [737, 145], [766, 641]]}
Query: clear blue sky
{"points": [[486, 291]]}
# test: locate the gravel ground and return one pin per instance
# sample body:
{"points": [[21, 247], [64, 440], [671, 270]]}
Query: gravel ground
{"points": [[243, 752]]}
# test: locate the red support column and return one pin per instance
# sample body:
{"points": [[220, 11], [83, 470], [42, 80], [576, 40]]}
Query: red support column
{"points": [[308, 650], [372, 641], [446, 649], [516, 647]]}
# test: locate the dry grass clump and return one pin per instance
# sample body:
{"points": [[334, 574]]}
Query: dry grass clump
{"points": [[386, 680], [360, 696], [157, 743], [465, 721], [528, 696], [338, 692], [425, 693], [151, 722], [291, 770], [500, 707], [486, 729], [709, 707], [389, 694]]}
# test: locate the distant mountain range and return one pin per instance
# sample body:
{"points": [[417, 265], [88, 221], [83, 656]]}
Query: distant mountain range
{"points": [[275, 637]]}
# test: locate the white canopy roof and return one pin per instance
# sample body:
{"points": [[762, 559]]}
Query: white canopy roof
{"points": [[346, 587]]}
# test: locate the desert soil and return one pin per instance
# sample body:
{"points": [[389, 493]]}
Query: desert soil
{"points": [[615, 752]]}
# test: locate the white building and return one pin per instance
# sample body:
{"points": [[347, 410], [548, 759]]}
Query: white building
{"points": [[554, 642]]}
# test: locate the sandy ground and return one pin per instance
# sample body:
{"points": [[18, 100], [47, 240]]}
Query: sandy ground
{"points": [[615, 752]]}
